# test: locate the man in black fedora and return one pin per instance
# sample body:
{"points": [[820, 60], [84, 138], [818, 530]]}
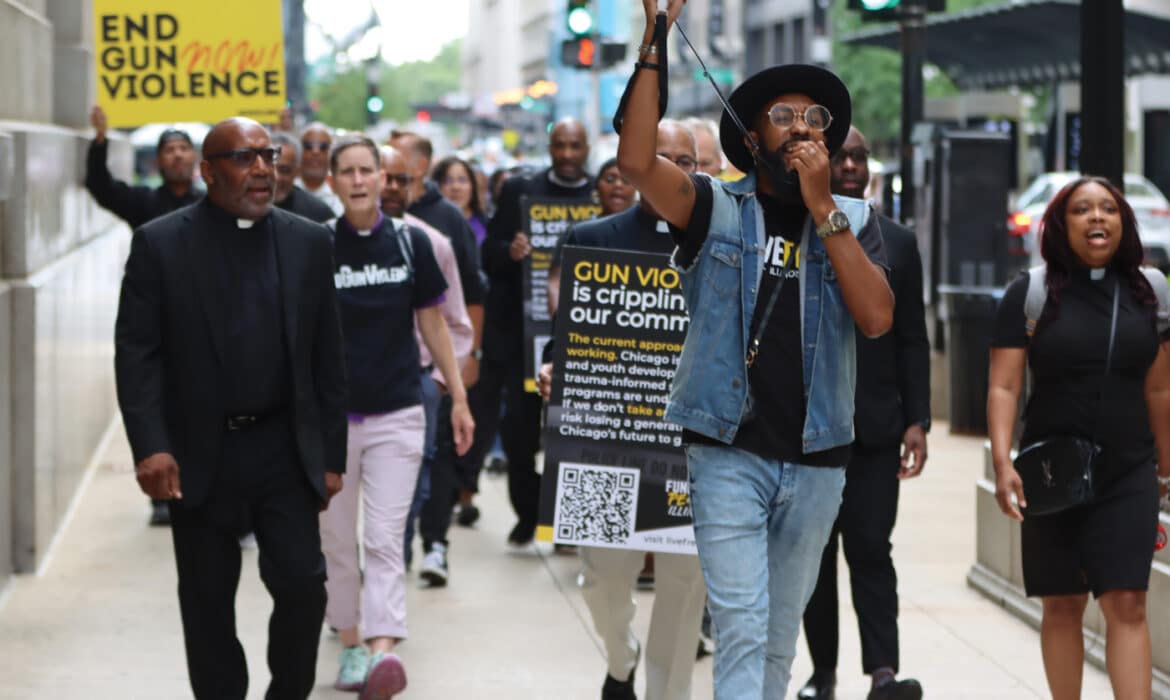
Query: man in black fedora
{"points": [[777, 274]]}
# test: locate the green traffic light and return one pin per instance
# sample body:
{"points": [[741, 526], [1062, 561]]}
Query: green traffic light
{"points": [[880, 4], [375, 104], [580, 21]]}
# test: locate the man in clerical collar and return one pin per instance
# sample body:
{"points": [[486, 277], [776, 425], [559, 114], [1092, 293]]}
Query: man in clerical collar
{"points": [[232, 387]]}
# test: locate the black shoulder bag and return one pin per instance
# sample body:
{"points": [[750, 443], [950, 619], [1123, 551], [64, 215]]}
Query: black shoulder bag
{"points": [[1058, 471]]}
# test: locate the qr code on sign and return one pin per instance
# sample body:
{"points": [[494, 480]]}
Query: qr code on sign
{"points": [[595, 505]]}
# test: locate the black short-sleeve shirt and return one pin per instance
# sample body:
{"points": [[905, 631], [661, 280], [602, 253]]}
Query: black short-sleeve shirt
{"points": [[378, 293], [1067, 358], [775, 421]]}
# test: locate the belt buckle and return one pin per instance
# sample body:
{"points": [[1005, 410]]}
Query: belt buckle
{"points": [[235, 423]]}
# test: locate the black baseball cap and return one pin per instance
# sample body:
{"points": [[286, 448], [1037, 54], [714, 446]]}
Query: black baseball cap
{"points": [[172, 134], [820, 84]]}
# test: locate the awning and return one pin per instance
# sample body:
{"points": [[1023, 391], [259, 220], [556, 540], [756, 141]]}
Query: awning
{"points": [[1027, 42]]}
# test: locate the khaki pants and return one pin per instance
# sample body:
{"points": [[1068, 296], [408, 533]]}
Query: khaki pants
{"points": [[607, 584]]}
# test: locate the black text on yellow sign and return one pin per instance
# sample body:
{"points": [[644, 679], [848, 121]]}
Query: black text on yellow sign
{"points": [[185, 63]]}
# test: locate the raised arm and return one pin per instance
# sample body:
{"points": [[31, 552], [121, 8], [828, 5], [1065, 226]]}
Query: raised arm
{"points": [[660, 181]]}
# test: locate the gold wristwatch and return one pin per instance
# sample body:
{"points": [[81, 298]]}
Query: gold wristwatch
{"points": [[836, 223]]}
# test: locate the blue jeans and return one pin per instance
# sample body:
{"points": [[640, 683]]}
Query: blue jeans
{"points": [[760, 526], [422, 490]]}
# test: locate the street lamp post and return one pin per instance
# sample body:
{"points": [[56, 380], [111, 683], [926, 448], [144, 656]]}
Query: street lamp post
{"points": [[912, 21], [1103, 89]]}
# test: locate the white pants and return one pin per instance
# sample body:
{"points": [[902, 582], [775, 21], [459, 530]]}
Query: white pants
{"points": [[382, 463], [607, 584]]}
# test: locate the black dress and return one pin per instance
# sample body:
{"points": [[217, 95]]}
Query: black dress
{"points": [[1108, 544]]}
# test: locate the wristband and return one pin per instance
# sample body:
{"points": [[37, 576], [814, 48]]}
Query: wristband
{"points": [[647, 65]]}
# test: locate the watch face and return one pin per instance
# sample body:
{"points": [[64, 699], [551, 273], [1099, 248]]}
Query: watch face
{"points": [[838, 220]]}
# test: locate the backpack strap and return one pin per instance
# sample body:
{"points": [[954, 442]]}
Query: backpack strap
{"points": [[405, 246], [1036, 297], [1161, 289]]}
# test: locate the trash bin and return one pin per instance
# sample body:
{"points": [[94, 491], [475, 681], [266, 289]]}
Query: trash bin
{"points": [[969, 317]]}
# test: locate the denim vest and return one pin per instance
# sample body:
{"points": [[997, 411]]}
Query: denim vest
{"points": [[710, 392]]}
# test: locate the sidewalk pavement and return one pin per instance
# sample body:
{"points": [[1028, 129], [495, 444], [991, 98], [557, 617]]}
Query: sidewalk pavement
{"points": [[101, 620]]}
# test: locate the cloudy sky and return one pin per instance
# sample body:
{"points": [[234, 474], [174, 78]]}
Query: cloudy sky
{"points": [[412, 30]]}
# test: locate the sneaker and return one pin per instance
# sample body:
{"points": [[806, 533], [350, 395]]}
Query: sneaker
{"points": [[354, 663], [160, 514], [434, 566], [906, 689], [468, 515], [385, 679], [522, 535]]}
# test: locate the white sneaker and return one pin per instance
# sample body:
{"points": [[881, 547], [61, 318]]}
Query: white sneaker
{"points": [[434, 567]]}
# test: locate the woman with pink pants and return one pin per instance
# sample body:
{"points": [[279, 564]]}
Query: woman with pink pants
{"points": [[386, 279]]}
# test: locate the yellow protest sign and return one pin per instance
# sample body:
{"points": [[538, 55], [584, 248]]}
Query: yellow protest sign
{"points": [[189, 61]]}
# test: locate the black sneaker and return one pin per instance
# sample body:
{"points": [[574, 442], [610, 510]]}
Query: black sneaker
{"points": [[160, 514], [468, 515], [618, 690], [522, 535], [821, 686], [906, 689]]}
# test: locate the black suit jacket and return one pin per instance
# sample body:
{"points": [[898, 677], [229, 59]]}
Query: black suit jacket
{"points": [[893, 371], [309, 206], [169, 346]]}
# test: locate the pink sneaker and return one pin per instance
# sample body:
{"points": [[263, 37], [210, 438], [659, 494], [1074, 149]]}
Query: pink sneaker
{"points": [[385, 679]]}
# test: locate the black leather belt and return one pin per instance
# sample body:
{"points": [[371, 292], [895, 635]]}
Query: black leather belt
{"points": [[244, 422], [234, 423]]}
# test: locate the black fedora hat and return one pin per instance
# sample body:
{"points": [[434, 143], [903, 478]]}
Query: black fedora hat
{"points": [[820, 84]]}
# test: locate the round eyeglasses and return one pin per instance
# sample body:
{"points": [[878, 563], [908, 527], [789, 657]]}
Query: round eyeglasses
{"points": [[814, 116]]}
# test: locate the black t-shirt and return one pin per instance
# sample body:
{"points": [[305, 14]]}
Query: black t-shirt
{"points": [[378, 292], [775, 420], [1067, 358]]}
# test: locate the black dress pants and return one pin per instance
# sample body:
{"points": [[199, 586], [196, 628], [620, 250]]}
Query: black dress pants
{"points": [[484, 399], [520, 436], [435, 518], [869, 508], [260, 478]]}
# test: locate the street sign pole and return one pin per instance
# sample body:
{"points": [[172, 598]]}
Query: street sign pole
{"points": [[913, 25], [1103, 89]]}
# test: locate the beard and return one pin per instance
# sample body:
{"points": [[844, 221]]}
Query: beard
{"points": [[785, 183]]}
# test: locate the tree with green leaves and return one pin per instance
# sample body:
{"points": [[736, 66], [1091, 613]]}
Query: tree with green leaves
{"points": [[874, 77], [342, 94]]}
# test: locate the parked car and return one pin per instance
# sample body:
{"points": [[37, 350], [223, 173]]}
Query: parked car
{"points": [[1150, 206]]}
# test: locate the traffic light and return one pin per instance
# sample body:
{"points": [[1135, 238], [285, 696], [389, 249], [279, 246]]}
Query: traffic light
{"points": [[579, 17], [579, 53], [891, 10], [374, 104]]}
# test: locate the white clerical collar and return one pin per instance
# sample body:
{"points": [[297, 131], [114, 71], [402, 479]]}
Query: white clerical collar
{"points": [[1097, 274], [552, 177], [662, 226], [245, 223]]}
